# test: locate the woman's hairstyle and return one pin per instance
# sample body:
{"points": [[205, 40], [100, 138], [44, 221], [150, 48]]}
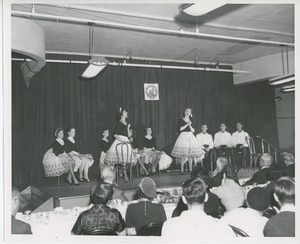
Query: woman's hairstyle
{"points": [[194, 190], [102, 193], [146, 128], [141, 194], [119, 113], [69, 129], [200, 172], [231, 173], [285, 190], [58, 129], [104, 129]]}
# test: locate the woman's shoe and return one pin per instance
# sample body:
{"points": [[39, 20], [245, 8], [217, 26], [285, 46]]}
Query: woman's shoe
{"points": [[68, 180], [181, 173], [81, 179], [87, 179], [76, 182]]}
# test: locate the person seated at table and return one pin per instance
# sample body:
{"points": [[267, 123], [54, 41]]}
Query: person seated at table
{"points": [[260, 177], [100, 217], [108, 175], [104, 146], [17, 226], [250, 219], [230, 192], [217, 176], [205, 140], [195, 223], [239, 145], [57, 162], [82, 161], [289, 161], [283, 223], [144, 212], [211, 206], [222, 142], [150, 155]]}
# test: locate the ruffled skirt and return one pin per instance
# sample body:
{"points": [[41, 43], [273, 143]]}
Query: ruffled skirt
{"points": [[82, 159], [165, 161], [187, 146], [122, 155]]}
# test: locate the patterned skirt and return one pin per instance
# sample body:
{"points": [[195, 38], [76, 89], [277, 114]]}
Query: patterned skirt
{"points": [[187, 146], [82, 159], [56, 165], [148, 155], [122, 155]]}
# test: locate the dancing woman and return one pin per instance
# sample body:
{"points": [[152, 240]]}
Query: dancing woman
{"points": [[186, 146], [122, 131], [82, 161]]}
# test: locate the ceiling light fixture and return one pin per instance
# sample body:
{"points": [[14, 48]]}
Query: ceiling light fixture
{"points": [[281, 79], [95, 64], [198, 9]]}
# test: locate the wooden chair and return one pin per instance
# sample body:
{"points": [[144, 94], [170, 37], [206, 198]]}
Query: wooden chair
{"points": [[238, 232], [152, 229], [253, 155], [125, 160]]}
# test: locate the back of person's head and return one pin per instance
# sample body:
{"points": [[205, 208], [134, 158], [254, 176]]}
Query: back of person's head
{"points": [[194, 191], [107, 174], [285, 190], [231, 173], [201, 173], [102, 193], [265, 160], [258, 199], [288, 158], [147, 188], [222, 162], [15, 200]]}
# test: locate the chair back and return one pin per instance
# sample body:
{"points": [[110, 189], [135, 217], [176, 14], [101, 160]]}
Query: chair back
{"points": [[100, 232], [238, 232], [122, 150], [152, 229], [251, 145]]}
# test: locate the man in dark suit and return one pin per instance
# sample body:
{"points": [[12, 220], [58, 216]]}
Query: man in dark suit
{"points": [[261, 176], [290, 165], [108, 175], [17, 226]]}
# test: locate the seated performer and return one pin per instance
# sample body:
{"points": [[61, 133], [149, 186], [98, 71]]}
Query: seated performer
{"points": [[239, 145], [222, 142], [82, 161], [150, 155], [104, 146], [206, 141]]}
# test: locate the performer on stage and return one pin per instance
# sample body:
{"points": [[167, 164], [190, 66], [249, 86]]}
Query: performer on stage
{"points": [[104, 146], [150, 155], [121, 135], [239, 145], [82, 161], [205, 140], [222, 142], [186, 146]]}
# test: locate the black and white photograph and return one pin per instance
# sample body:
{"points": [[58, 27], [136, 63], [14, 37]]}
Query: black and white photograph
{"points": [[149, 121]]}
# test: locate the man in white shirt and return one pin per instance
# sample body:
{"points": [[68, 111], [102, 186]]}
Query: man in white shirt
{"points": [[206, 142], [239, 146], [194, 222], [222, 142]]}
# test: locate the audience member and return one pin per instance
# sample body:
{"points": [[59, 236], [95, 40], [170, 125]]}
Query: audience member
{"points": [[239, 145], [260, 177], [250, 219], [100, 217], [194, 223], [17, 226], [144, 212], [108, 175], [217, 176], [290, 164], [211, 206], [230, 192], [283, 223], [205, 140]]}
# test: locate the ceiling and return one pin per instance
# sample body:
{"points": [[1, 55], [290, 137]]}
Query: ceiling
{"points": [[270, 22]]}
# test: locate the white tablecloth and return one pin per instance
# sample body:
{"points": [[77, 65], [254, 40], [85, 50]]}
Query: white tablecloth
{"points": [[60, 223]]}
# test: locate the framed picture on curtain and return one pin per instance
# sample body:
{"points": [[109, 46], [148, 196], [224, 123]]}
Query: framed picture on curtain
{"points": [[151, 91]]}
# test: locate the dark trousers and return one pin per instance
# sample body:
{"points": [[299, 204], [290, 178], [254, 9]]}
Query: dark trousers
{"points": [[223, 152], [239, 157], [207, 160]]}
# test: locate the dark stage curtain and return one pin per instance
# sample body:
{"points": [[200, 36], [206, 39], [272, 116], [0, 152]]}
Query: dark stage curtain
{"points": [[58, 97]]}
